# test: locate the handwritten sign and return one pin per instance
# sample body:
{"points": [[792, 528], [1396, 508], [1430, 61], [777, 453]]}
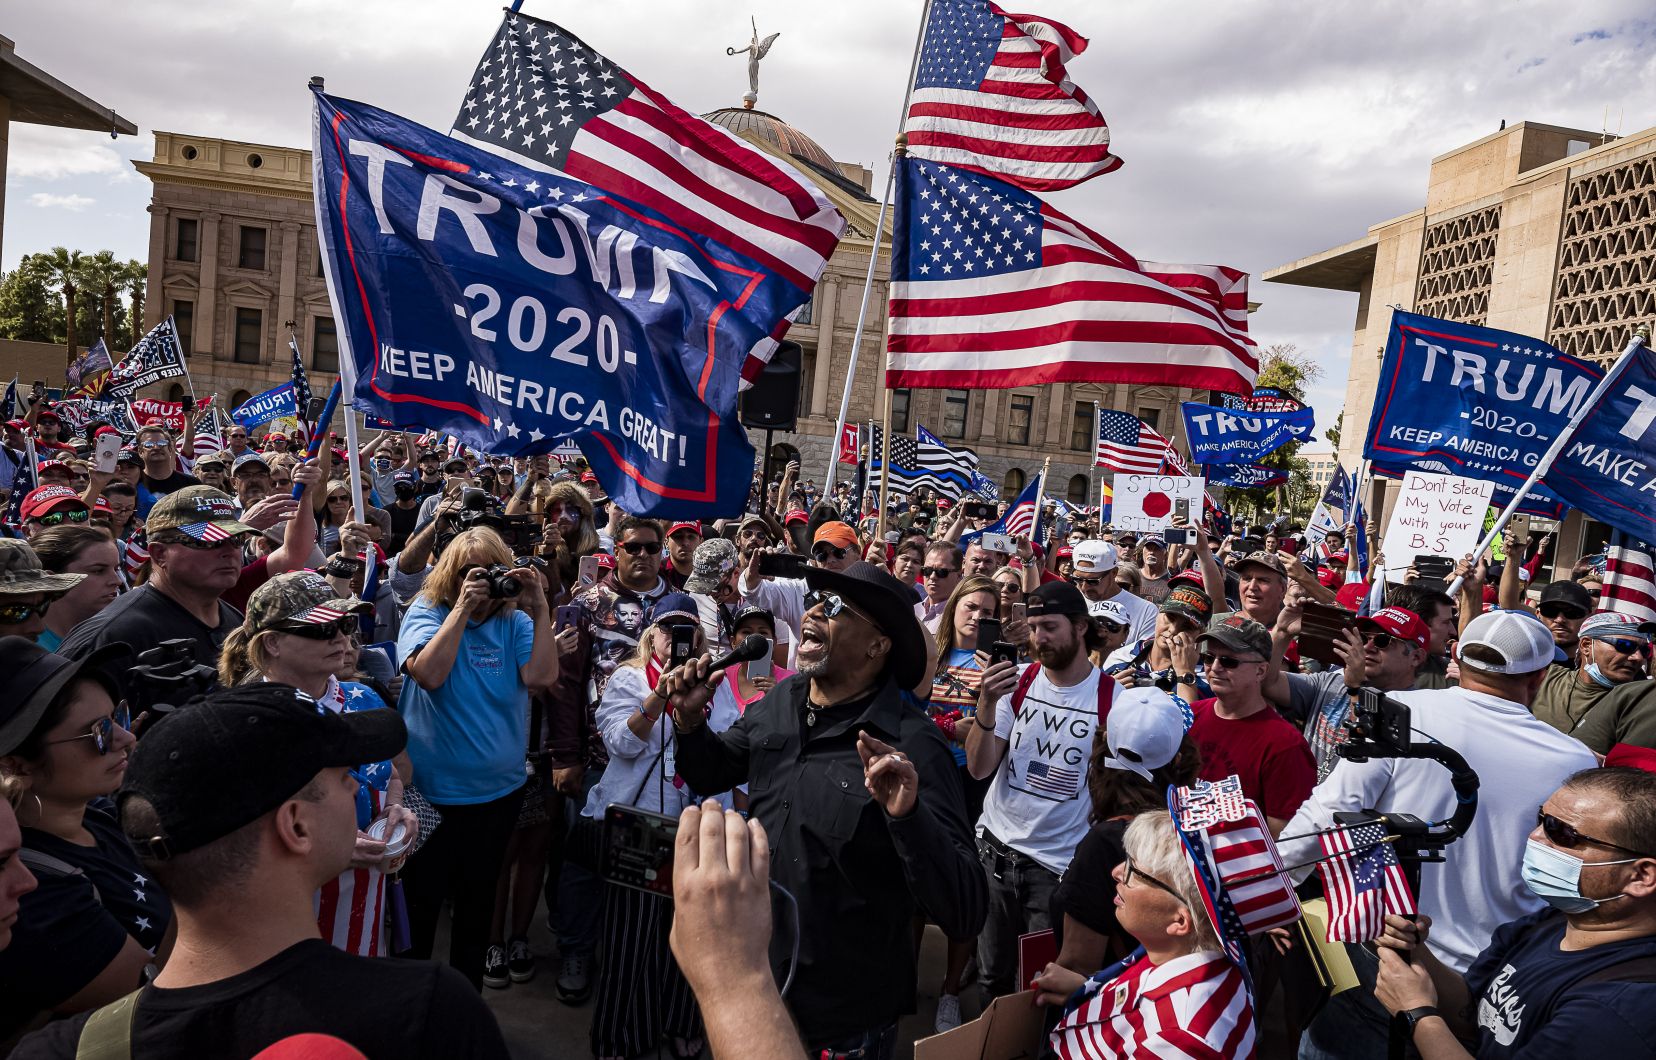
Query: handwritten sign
{"points": [[1150, 502], [1435, 515]]}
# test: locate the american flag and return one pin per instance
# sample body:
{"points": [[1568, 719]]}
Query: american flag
{"points": [[209, 436], [991, 93], [209, 532], [1251, 871], [545, 99], [1128, 444], [134, 554], [301, 388], [1056, 781], [991, 287], [1629, 577], [1196, 1007], [1364, 882]]}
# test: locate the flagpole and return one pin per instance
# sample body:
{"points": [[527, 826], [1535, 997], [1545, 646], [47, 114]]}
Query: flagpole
{"points": [[1641, 336], [1092, 471], [885, 466], [873, 262]]}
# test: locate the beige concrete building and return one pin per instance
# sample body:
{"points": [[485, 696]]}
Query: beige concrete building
{"points": [[234, 256], [1537, 229]]}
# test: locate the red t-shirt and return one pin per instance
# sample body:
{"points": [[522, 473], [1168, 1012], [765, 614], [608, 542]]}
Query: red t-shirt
{"points": [[253, 575], [1266, 751]]}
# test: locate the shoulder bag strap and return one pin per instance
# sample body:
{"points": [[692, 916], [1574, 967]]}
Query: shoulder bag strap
{"points": [[108, 1031]]}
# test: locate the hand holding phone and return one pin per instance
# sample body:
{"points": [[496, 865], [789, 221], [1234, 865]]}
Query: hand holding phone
{"points": [[107, 453], [988, 632]]}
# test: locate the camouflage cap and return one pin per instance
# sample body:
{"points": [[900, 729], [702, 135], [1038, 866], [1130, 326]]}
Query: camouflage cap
{"points": [[712, 560], [199, 512], [1240, 633], [21, 572], [302, 598]]}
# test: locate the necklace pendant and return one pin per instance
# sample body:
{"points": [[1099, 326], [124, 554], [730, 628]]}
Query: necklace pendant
{"points": [[810, 717]]}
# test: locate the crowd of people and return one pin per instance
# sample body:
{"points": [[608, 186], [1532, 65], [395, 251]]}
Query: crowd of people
{"points": [[277, 716]]}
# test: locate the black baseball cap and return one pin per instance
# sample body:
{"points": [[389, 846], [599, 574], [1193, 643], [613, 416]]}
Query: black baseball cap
{"points": [[37, 677], [1571, 594], [229, 758], [1057, 598]]}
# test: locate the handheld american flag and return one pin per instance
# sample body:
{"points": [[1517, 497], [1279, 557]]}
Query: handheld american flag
{"points": [[1629, 577], [301, 388], [1023, 519], [991, 287], [1364, 882], [546, 100], [1128, 444], [991, 93]]}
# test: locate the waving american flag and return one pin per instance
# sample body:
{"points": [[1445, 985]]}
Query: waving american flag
{"points": [[991, 93], [1126, 443]]}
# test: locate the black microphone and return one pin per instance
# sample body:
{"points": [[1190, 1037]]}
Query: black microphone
{"points": [[752, 647]]}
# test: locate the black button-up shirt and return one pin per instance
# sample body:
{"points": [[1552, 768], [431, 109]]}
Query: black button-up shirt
{"points": [[859, 875]]}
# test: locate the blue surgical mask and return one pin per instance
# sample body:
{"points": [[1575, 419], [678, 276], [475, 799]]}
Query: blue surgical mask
{"points": [[1555, 877], [1598, 676], [382, 462]]}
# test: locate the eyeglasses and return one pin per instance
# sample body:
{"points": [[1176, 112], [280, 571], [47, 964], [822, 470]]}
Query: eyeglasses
{"points": [[1561, 611], [823, 553], [1129, 870], [1381, 641], [832, 605], [1109, 627], [64, 515], [938, 572], [1629, 647], [1226, 662], [322, 631], [1086, 581], [642, 548], [103, 730], [11, 614], [1560, 834]]}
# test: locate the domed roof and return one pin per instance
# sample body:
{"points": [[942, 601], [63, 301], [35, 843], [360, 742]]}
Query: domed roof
{"points": [[773, 131]]}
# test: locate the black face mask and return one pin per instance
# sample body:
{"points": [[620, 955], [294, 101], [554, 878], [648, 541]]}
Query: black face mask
{"points": [[405, 490]]}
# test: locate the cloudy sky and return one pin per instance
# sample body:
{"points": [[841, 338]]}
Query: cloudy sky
{"points": [[1253, 133]]}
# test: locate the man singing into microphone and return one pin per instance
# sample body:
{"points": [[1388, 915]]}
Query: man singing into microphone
{"points": [[860, 797]]}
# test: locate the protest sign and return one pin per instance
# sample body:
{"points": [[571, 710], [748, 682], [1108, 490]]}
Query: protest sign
{"points": [[1435, 515], [1475, 402], [262, 408], [1244, 476], [170, 413], [1219, 435], [512, 308], [1608, 466], [1150, 502]]}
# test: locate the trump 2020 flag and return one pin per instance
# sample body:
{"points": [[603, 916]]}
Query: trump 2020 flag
{"points": [[1608, 466], [991, 287], [512, 308], [1218, 435], [262, 408]]}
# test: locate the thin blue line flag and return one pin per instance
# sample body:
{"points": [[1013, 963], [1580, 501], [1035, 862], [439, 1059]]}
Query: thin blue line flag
{"points": [[512, 308]]}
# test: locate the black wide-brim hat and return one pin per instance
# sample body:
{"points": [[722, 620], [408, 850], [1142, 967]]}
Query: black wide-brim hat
{"points": [[36, 677], [874, 592]]}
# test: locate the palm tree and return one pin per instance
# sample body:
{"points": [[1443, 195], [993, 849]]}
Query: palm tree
{"points": [[100, 273], [135, 282], [63, 266]]}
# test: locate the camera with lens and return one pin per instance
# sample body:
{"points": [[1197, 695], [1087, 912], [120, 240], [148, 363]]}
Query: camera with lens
{"points": [[167, 676], [479, 508], [502, 586], [1381, 728]]}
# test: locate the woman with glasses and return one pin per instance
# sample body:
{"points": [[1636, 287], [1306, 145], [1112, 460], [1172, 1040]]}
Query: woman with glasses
{"points": [[1014, 622], [642, 996], [954, 694], [333, 515], [85, 550], [1177, 994], [85, 936], [474, 650], [297, 631], [28, 590]]}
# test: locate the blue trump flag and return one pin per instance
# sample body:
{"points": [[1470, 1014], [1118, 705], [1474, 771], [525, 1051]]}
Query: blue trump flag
{"points": [[1244, 476], [1219, 435], [512, 308], [274, 403], [1608, 466], [1476, 402], [1023, 518]]}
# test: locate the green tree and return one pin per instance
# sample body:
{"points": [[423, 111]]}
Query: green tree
{"points": [[63, 268], [135, 282], [99, 275], [1287, 368], [1333, 433], [29, 308]]}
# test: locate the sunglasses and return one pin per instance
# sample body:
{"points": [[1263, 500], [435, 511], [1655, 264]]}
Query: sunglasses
{"points": [[1109, 627], [322, 631], [823, 553], [642, 548], [1085, 581], [11, 614], [1226, 662], [153, 445], [832, 604], [937, 572], [1564, 835], [1629, 647], [103, 730], [62, 515], [1381, 641], [199, 546], [1561, 611], [1129, 870]]}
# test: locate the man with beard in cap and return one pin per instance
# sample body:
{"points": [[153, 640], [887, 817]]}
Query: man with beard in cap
{"points": [[860, 797]]}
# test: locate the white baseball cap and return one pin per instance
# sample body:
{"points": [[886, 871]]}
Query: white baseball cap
{"points": [[1520, 640], [1144, 731], [1109, 610], [1093, 557]]}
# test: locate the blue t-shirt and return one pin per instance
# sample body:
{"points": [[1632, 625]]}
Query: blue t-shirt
{"points": [[467, 739], [1531, 1002]]}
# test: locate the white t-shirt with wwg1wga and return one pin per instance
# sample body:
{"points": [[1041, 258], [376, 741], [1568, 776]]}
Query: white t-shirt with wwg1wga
{"points": [[1037, 803]]}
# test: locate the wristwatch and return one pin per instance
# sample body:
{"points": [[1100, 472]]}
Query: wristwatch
{"points": [[1411, 1018], [1185, 679]]}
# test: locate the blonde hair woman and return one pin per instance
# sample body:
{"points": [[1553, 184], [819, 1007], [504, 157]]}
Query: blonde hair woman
{"points": [[474, 644]]}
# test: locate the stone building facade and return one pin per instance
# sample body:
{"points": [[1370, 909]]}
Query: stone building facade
{"points": [[233, 257], [1537, 229]]}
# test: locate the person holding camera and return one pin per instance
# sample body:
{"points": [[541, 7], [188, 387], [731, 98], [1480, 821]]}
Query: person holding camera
{"points": [[642, 772], [1577, 979], [475, 644], [1167, 657], [1503, 658]]}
